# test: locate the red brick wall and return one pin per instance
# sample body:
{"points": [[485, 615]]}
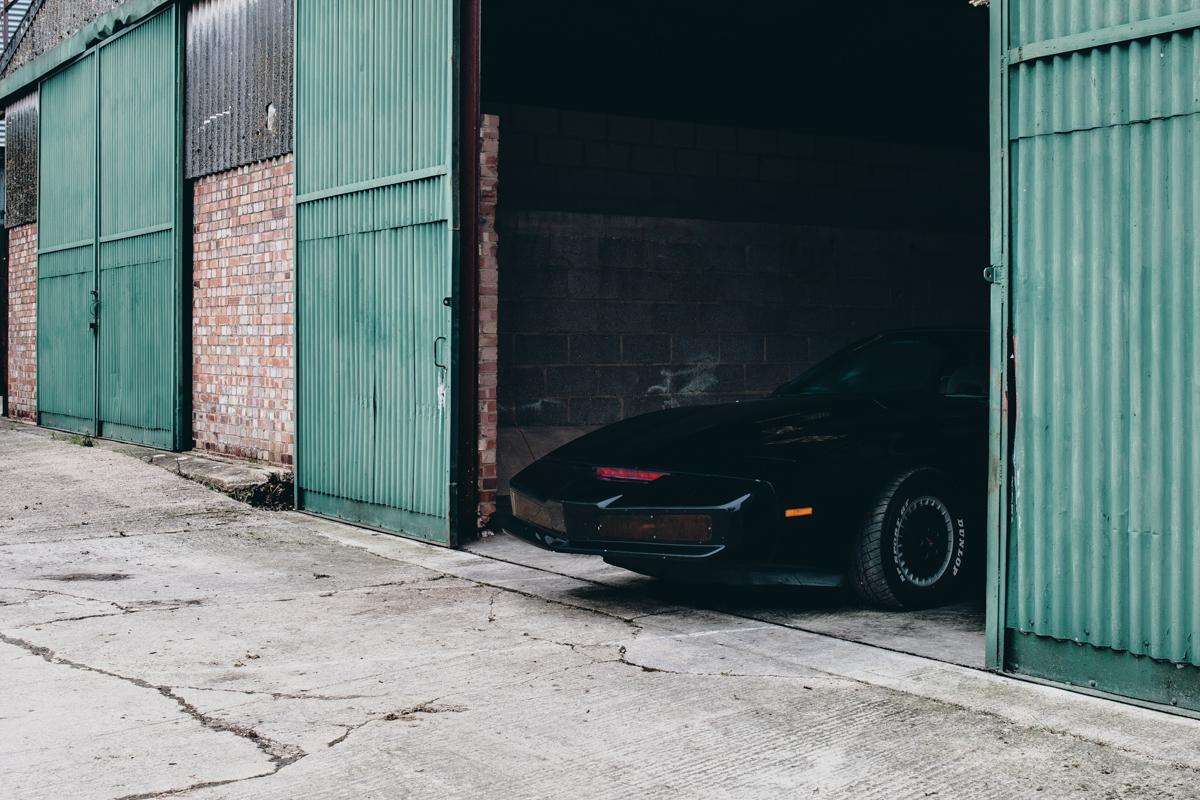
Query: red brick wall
{"points": [[22, 322], [242, 332], [489, 175]]}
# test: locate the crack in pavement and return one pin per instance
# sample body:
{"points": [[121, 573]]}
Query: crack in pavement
{"points": [[413, 585], [43, 623], [138, 607], [83, 539], [301, 695], [44, 592], [492, 606], [623, 658], [280, 755], [404, 715], [577, 647]]}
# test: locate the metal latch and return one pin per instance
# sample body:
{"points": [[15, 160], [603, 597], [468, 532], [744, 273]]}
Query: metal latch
{"points": [[994, 274]]}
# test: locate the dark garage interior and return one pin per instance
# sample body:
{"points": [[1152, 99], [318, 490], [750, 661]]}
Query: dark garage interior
{"points": [[699, 202]]}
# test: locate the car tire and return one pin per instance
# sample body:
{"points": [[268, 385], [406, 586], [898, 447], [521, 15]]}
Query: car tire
{"points": [[913, 549]]}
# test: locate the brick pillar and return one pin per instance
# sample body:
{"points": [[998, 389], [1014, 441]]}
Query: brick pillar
{"points": [[243, 337], [22, 322], [489, 296]]}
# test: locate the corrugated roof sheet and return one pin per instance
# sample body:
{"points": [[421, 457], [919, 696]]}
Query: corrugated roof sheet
{"points": [[9, 24]]}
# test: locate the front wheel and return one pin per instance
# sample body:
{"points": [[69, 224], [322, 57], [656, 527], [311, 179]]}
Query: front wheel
{"points": [[913, 548]]}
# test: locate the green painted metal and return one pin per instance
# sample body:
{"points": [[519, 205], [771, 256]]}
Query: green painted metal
{"points": [[110, 146], [112, 23], [375, 123], [1100, 559], [66, 288], [999, 417], [1099, 670]]}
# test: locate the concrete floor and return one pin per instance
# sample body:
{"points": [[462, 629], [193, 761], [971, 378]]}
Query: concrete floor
{"points": [[953, 633], [158, 639]]}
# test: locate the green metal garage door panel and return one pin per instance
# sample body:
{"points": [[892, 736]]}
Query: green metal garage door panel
{"points": [[375, 256], [66, 250], [1103, 540], [110, 341], [140, 297]]}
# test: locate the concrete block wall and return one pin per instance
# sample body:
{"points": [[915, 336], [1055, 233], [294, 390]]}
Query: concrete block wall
{"points": [[243, 339], [22, 322], [605, 317], [565, 160], [489, 291], [650, 264]]}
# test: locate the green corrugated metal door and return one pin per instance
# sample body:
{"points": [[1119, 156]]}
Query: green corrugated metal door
{"points": [[1099, 120], [109, 336], [375, 255], [66, 282]]}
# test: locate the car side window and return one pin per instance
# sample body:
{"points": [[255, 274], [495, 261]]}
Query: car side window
{"points": [[968, 380], [885, 367]]}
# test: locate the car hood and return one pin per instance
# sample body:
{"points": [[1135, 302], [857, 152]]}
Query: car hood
{"points": [[725, 439]]}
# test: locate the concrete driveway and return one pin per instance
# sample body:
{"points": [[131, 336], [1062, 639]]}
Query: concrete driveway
{"points": [[158, 639]]}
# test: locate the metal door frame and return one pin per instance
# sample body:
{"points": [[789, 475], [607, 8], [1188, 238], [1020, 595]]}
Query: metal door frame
{"points": [[180, 435], [999, 433]]}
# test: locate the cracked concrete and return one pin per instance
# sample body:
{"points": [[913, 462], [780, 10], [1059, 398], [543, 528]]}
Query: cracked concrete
{"points": [[250, 654]]}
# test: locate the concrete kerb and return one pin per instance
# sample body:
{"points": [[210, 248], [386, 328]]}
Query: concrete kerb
{"points": [[256, 484]]}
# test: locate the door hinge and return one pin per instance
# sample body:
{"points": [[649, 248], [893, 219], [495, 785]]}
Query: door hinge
{"points": [[994, 274]]}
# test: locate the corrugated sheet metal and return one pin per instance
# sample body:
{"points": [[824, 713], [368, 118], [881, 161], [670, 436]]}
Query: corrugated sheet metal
{"points": [[108, 241], [1144, 80], [137, 265], [12, 23], [47, 25], [239, 83], [137, 260], [374, 138], [1038, 20], [66, 239], [1104, 544], [21, 161]]}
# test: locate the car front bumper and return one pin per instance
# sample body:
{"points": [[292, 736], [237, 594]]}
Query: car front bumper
{"points": [[594, 529]]}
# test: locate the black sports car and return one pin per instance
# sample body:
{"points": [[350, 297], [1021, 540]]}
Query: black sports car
{"points": [[871, 467]]}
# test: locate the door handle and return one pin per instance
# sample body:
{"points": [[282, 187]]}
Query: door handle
{"points": [[94, 323], [436, 362]]}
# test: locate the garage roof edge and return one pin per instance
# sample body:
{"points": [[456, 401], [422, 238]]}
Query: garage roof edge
{"points": [[129, 13]]}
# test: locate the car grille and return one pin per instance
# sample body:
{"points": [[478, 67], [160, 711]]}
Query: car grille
{"points": [[548, 515]]}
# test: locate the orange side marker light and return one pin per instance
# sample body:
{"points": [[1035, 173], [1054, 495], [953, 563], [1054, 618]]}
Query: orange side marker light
{"points": [[792, 513]]}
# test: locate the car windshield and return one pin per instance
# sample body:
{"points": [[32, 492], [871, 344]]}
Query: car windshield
{"points": [[949, 364]]}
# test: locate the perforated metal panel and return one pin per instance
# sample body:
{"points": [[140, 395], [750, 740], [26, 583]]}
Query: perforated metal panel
{"points": [[375, 256]]}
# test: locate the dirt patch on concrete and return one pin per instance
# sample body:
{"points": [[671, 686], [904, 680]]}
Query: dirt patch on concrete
{"points": [[276, 494], [71, 577]]}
